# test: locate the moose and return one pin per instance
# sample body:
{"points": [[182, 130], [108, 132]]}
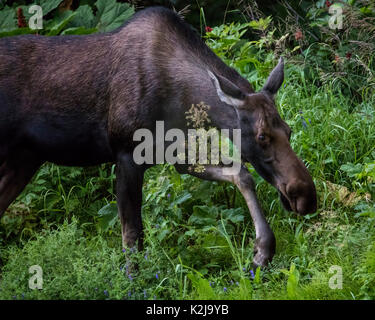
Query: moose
{"points": [[77, 101]]}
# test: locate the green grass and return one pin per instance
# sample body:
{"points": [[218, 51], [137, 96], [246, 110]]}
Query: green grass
{"points": [[199, 246]]}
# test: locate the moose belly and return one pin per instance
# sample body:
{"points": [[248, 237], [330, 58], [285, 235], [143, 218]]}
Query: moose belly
{"points": [[70, 141]]}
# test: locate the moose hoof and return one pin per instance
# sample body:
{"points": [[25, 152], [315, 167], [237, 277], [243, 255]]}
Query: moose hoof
{"points": [[261, 260], [131, 268], [264, 250]]}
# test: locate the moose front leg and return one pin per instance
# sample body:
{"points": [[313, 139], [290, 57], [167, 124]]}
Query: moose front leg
{"points": [[265, 243], [129, 180]]}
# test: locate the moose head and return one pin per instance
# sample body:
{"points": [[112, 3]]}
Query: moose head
{"points": [[265, 140]]}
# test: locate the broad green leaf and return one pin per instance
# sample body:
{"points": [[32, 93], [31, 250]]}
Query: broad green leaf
{"points": [[163, 234], [351, 169], [235, 215], [246, 289], [202, 286], [111, 15], [84, 18], [58, 23], [203, 215], [8, 20], [108, 216], [292, 283], [190, 232], [48, 5], [186, 196], [224, 227]]}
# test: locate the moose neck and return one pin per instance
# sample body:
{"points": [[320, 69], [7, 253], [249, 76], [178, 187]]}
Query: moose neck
{"points": [[168, 66]]}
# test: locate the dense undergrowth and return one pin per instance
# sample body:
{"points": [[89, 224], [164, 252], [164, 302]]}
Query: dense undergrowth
{"points": [[198, 234]]}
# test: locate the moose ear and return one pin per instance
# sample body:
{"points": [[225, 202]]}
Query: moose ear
{"points": [[227, 91], [275, 79]]}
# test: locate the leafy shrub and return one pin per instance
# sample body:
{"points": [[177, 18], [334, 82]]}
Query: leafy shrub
{"points": [[342, 57], [73, 267], [108, 16], [362, 174]]}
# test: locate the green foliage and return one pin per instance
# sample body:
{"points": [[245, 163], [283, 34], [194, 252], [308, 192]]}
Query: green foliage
{"points": [[7, 19], [202, 286], [251, 58], [58, 193], [362, 174], [108, 216], [292, 283], [74, 267], [198, 234], [109, 15], [344, 56], [48, 5]]}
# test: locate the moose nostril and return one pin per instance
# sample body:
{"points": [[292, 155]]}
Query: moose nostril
{"points": [[302, 196], [292, 190], [268, 160]]}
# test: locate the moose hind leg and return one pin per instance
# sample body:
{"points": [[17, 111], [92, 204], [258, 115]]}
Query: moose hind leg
{"points": [[13, 179], [129, 180]]}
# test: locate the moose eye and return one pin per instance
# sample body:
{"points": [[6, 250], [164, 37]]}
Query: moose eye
{"points": [[263, 140], [262, 137]]}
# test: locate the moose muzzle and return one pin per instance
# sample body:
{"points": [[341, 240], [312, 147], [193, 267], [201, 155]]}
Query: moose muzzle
{"points": [[297, 192]]}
